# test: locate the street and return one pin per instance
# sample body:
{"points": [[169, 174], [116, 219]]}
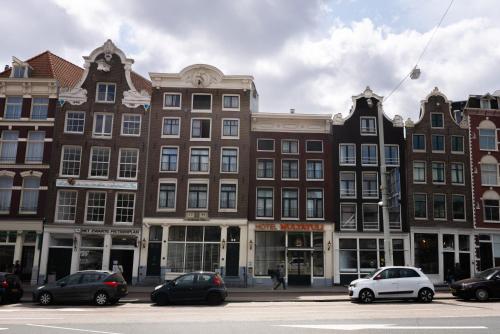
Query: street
{"points": [[440, 316]]}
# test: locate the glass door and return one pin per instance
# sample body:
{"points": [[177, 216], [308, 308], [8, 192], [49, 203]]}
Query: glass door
{"points": [[299, 267]]}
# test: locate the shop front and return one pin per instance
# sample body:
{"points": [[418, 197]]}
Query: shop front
{"points": [[299, 250], [487, 250]]}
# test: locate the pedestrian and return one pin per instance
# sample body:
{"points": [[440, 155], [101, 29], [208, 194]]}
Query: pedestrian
{"points": [[280, 277], [17, 268]]}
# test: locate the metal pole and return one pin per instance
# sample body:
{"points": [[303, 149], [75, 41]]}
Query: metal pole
{"points": [[383, 188]]}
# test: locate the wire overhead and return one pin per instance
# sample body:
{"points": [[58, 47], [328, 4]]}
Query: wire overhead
{"points": [[415, 68]]}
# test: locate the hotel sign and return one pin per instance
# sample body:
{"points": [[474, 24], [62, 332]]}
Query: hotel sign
{"points": [[96, 184], [290, 227]]}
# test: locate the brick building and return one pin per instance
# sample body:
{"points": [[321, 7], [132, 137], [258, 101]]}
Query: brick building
{"points": [[97, 181], [290, 196], [439, 188], [28, 98]]}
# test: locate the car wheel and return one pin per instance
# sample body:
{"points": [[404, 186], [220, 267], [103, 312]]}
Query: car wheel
{"points": [[482, 295], [214, 298], [162, 299], [45, 298], [425, 295], [366, 296], [101, 298]]}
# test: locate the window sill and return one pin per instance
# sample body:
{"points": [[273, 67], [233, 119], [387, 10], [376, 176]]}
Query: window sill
{"points": [[166, 210], [314, 180], [265, 178], [202, 110], [168, 171], [231, 109], [230, 137], [170, 136], [264, 218], [101, 137], [172, 108], [27, 213], [228, 210]]}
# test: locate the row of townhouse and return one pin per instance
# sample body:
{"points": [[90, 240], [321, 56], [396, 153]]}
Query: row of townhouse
{"points": [[101, 167]]}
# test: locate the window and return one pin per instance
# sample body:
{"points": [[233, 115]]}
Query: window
{"points": [[369, 154], [202, 102], [370, 185], [96, 207], [437, 120], [290, 203], [13, 107], [229, 160], [488, 139], [457, 173], [457, 144], [439, 206], [169, 159], [231, 102], [419, 172], [103, 125], [392, 155], [6, 182], [418, 142], [230, 128], [75, 122], [314, 203], [66, 206], [128, 163], [167, 196], [131, 125], [348, 216], [8, 151], [458, 202], [39, 107], [29, 197], [265, 168], [70, 161], [370, 216], [485, 104], [458, 115], [124, 208], [420, 206], [35, 146], [227, 197], [99, 162], [18, 71], [198, 196], [172, 101], [489, 174], [265, 145], [347, 154], [199, 160], [491, 210], [437, 143], [264, 203], [106, 92], [171, 127], [438, 172], [290, 146], [368, 126], [290, 169], [347, 184], [200, 128], [314, 146], [314, 169]]}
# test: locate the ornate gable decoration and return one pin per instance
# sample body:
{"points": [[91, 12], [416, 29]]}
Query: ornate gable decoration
{"points": [[201, 76]]}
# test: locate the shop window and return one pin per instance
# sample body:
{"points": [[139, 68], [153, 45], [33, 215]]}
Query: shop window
{"points": [[426, 252], [269, 251], [91, 253], [299, 239], [367, 255]]}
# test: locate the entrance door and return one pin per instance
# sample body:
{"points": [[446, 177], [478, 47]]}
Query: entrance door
{"points": [[448, 265], [154, 256], [59, 262], [464, 266], [125, 258], [486, 254], [299, 267], [6, 258], [27, 262]]}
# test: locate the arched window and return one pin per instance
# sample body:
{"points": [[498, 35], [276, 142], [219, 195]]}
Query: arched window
{"points": [[487, 136], [491, 203], [489, 171]]}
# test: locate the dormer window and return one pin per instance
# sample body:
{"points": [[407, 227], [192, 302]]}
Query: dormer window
{"points": [[485, 104], [18, 71], [106, 92], [368, 126]]}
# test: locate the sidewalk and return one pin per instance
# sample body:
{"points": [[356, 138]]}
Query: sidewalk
{"points": [[140, 294]]}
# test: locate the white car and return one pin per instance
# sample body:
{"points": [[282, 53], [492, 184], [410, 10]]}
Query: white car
{"points": [[392, 283]]}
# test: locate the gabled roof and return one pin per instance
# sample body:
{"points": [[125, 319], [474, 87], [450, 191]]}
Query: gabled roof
{"points": [[140, 82], [49, 65]]}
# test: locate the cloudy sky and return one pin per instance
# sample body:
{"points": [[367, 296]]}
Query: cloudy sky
{"points": [[310, 55]]}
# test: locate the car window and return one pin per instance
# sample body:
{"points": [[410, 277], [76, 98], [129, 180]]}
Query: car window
{"points": [[406, 273], [91, 278], [204, 279], [73, 279], [185, 280], [390, 273]]}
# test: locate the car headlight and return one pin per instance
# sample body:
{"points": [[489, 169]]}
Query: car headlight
{"points": [[353, 285], [158, 287]]}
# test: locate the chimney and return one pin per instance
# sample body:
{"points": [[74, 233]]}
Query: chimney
{"points": [[6, 67], [292, 111]]}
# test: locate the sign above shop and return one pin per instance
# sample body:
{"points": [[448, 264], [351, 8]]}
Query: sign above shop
{"points": [[108, 231], [289, 227], [97, 184]]}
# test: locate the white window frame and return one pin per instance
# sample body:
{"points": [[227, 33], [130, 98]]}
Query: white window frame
{"points": [[361, 128], [115, 208], [463, 145], [323, 199], [413, 172], [39, 104], [228, 181], [479, 139], [191, 129], [444, 143], [322, 169], [481, 174], [4, 141], [426, 207], [465, 208], [198, 181], [340, 154], [202, 110], [209, 158], [119, 163], [39, 176], [298, 170], [444, 172], [172, 108], [362, 185], [57, 206], [290, 140], [274, 145], [413, 140], [62, 161], [355, 184], [231, 109], [355, 216], [177, 162], [484, 104], [166, 180], [442, 118], [163, 126], [281, 203], [87, 206], [90, 163], [222, 128], [257, 169], [102, 135], [445, 207], [221, 156], [66, 122], [322, 146], [107, 85], [28, 142], [385, 156], [256, 203], [123, 122], [7, 105], [363, 216], [10, 176], [376, 154], [463, 173]]}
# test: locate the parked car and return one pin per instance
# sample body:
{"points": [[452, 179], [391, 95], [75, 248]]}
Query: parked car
{"points": [[483, 286], [10, 288], [197, 286], [100, 287], [392, 283]]}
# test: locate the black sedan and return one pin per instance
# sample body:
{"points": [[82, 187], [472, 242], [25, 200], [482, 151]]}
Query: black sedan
{"points": [[100, 287], [483, 286], [199, 286], [10, 288]]}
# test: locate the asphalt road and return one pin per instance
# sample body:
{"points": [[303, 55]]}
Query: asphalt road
{"points": [[442, 316]]}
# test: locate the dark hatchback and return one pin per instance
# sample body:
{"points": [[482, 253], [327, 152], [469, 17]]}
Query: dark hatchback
{"points": [[483, 286], [100, 287], [11, 290], [192, 287]]}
